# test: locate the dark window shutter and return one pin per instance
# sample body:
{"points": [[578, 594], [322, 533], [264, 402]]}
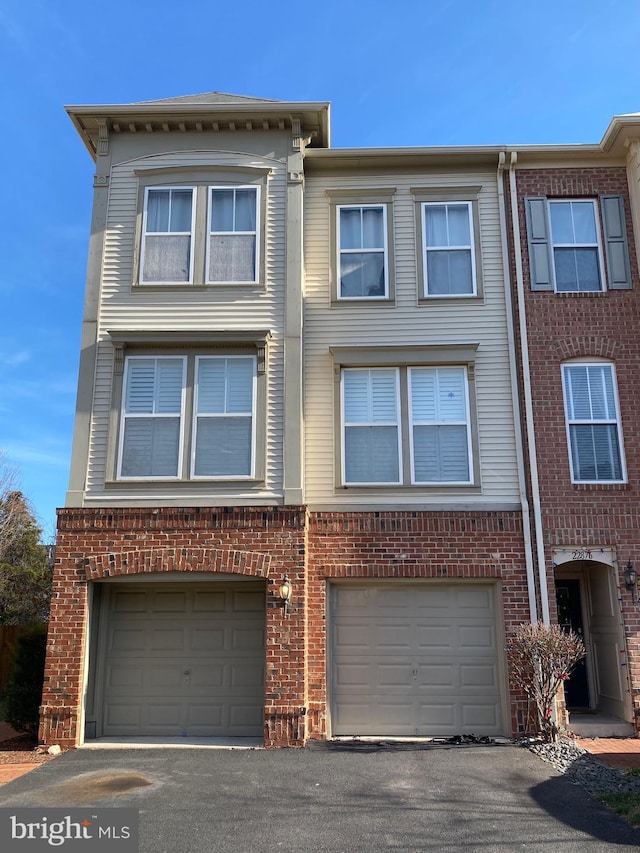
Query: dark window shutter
{"points": [[539, 248], [615, 240]]}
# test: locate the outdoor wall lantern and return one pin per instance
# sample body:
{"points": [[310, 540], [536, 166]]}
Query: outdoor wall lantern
{"points": [[285, 593], [631, 578]]}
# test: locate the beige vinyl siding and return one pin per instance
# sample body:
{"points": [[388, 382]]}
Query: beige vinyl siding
{"points": [[228, 308], [403, 322]]}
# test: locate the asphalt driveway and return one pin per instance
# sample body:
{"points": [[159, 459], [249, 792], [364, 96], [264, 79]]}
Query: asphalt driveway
{"points": [[471, 798]]}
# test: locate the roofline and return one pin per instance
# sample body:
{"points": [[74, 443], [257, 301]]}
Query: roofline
{"points": [[86, 117]]}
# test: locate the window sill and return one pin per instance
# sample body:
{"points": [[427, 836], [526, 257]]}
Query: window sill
{"points": [[198, 287], [422, 488]]}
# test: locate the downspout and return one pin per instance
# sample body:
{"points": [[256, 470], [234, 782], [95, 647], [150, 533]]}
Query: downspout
{"points": [[515, 396], [528, 403]]}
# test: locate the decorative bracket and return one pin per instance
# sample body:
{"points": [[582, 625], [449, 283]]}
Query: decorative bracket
{"points": [[103, 138]]}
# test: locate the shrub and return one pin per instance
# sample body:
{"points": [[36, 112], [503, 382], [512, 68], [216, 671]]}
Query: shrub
{"points": [[22, 696], [541, 658]]}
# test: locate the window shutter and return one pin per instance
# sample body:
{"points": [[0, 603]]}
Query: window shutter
{"points": [[615, 238], [538, 234]]}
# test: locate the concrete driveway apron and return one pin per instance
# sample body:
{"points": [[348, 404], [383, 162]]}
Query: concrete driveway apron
{"points": [[484, 798]]}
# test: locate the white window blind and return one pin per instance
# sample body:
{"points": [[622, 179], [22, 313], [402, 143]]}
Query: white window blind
{"points": [[440, 434], [371, 425], [593, 423], [152, 417], [224, 416]]}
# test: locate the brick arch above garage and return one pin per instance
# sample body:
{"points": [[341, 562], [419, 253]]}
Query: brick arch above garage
{"points": [[192, 560]]}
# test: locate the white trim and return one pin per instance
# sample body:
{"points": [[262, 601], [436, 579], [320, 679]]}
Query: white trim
{"points": [[195, 416], [597, 421], [210, 233], [466, 423], [124, 416], [384, 249], [598, 245], [471, 248], [145, 234]]}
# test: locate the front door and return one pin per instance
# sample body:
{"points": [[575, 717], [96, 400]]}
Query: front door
{"points": [[576, 689]]}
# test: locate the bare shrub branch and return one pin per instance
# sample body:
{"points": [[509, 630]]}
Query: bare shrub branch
{"points": [[541, 657]]}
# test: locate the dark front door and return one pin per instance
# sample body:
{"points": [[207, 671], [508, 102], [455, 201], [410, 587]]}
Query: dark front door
{"points": [[576, 689]]}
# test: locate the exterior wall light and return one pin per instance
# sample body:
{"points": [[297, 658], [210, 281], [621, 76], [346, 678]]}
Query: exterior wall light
{"points": [[631, 580], [285, 593], [630, 576]]}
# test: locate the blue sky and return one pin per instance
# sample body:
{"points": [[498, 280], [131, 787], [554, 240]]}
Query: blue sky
{"points": [[403, 73]]}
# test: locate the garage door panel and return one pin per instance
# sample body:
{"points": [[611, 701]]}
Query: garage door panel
{"points": [[180, 661], [420, 660], [167, 640], [479, 675], [207, 639], [437, 675], [126, 640], [476, 638], [129, 602], [169, 602], [209, 602], [479, 717]]}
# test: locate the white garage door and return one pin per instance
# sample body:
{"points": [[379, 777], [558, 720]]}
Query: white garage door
{"points": [[184, 660], [414, 660]]}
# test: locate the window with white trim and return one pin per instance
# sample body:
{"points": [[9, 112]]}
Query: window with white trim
{"points": [[362, 251], [169, 402], [575, 240], [232, 249], [406, 426], [593, 423], [440, 428], [168, 222], [449, 261]]}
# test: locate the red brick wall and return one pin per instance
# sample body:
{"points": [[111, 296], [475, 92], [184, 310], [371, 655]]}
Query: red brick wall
{"points": [[269, 543], [562, 326], [442, 545], [261, 542]]}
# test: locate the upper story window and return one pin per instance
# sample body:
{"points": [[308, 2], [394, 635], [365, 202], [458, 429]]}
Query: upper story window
{"points": [[188, 417], [167, 254], [233, 235], [593, 423], [362, 251], [577, 256], [406, 426], [201, 227], [570, 240], [448, 246]]}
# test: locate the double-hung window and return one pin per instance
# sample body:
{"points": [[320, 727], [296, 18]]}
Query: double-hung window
{"points": [[362, 251], [233, 235], [224, 422], [449, 262], [186, 417], [570, 240], [152, 417], [202, 234], [593, 423], [167, 245], [406, 426], [440, 428], [371, 411], [576, 246]]}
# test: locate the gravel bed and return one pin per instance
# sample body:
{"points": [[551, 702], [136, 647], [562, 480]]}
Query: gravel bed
{"points": [[582, 768]]}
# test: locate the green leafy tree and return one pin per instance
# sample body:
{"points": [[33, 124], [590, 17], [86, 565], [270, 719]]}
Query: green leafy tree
{"points": [[25, 567], [21, 699]]}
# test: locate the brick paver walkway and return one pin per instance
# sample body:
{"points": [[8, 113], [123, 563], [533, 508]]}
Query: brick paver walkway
{"points": [[622, 753]]}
